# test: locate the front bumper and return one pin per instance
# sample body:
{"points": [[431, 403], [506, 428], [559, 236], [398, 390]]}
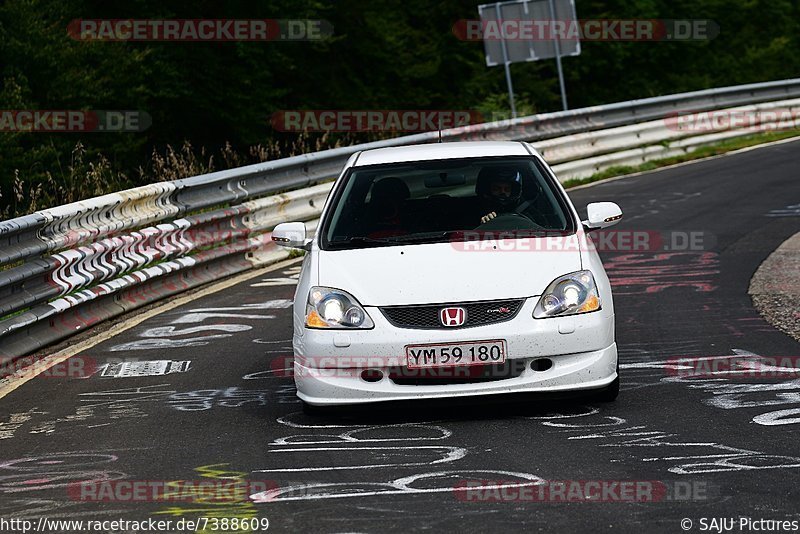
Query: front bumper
{"points": [[581, 348]]}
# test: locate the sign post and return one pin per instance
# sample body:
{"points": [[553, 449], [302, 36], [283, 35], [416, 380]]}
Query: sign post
{"points": [[557, 42], [507, 65], [500, 48]]}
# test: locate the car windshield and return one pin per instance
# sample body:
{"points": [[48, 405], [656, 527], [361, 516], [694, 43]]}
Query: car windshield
{"points": [[436, 201]]}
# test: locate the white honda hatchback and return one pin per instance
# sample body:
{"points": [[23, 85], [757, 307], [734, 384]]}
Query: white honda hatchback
{"points": [[448, 270]]}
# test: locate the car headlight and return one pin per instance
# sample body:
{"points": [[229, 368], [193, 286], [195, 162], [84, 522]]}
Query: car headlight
{"points": [[569, 295], [334, 308]]}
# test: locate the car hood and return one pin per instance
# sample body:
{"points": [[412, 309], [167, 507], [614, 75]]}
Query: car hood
{"points": [[446, 272]]}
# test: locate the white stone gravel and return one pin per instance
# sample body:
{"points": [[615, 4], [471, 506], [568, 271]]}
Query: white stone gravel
{"points": [[775, 287]]}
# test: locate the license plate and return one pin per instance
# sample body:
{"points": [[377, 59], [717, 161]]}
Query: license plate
{"points": [[456, 354]]}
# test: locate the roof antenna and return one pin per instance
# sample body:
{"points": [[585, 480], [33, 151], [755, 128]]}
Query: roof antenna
{"points": [[440, 127]]}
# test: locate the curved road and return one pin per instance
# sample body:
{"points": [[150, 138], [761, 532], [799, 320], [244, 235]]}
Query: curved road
{"points": [[720, 446]]}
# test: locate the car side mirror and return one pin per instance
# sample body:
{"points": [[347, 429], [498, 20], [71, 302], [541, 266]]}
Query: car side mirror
{"points": [[291, 235], [601, 215]]}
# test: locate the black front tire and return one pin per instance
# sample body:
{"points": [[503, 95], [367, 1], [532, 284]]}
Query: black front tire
{"points": [[310, 409], [610, 392]]}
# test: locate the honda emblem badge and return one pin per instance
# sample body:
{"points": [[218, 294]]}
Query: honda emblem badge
{"points": [[453, 316]]}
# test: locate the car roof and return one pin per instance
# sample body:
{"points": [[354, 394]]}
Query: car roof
{"points": [[466, 149]]}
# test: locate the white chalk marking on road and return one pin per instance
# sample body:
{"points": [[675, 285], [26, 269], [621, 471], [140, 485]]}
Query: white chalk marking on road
{"points": [[398, 486], [450, 454], [22, 376], [147, 368], [348, 437]]}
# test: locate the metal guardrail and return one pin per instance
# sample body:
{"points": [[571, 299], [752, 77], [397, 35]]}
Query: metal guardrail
{"points": [[35, 234], [584, 154], [583, 145], [104, 259], [94, 282]]}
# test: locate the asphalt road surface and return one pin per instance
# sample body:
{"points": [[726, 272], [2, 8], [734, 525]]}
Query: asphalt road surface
{"points": [[215, 404]]}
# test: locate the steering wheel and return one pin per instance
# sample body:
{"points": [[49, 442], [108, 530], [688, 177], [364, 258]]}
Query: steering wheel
{"points": [[510, 221]]}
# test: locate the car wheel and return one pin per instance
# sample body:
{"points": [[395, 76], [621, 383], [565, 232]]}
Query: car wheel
{"points": [[310, 409], [610, 392]]}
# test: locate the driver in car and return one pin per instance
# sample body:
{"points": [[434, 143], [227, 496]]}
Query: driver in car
{"points": [[385, 208], [499, 190]]}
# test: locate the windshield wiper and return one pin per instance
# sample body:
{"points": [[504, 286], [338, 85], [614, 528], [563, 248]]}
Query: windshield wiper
{"points": [[360, 240], [420, 237], [427, 236]]}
